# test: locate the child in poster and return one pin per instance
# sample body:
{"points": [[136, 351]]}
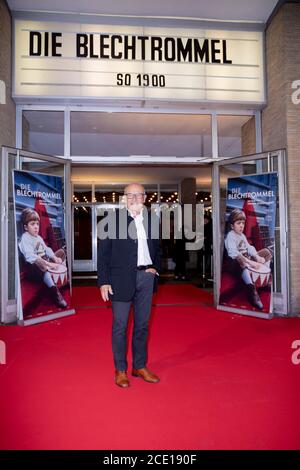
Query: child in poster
{"points": [[249, 243], [243, 256], [41, 246], [39, 257]]}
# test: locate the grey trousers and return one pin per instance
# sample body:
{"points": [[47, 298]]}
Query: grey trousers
{"points": [[141, 302]]}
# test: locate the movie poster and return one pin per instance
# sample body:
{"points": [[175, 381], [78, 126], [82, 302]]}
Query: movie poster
{"points": [[42, 254], [249, 240]]}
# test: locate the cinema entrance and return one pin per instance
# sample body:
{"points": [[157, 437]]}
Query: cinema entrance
{"points": [[82, 202], [202, 184]]}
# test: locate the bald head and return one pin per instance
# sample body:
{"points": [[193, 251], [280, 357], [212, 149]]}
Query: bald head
{"points": [[134, 188]]}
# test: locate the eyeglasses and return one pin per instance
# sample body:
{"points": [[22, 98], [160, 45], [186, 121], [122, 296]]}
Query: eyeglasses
{"points": [[136, 195]]}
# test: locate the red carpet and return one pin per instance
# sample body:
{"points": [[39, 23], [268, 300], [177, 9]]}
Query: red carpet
{"points": [[168, 294], [227, 382], [181, 294]]}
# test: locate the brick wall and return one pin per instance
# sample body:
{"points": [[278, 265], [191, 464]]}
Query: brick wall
{"points": [[7, 110], [292, 47], [281, 121]]}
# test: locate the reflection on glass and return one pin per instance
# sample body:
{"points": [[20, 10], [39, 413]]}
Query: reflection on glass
{"points": [[250, 168], [274, 163], [236, 135], [82, 233], [123, 134], [277, 270], [169, 197], [42, 166], [11, 235], [43, 132]]}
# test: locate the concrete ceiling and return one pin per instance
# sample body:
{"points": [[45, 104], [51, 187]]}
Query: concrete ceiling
{"points": [[257, 11], [148, 175]]}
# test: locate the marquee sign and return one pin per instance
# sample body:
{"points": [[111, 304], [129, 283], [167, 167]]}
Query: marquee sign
{"points": [[59, 60]]}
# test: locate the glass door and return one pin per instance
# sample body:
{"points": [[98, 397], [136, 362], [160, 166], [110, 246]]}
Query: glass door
{"points": [[8, 284], [83, 238], [239, 168], [14, 159]]}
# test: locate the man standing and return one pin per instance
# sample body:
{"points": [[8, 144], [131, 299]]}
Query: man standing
{"points": [[127, 273]]}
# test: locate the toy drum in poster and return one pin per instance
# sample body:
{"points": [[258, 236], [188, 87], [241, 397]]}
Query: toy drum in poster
{"points": [[59, 274], [260, 276]]}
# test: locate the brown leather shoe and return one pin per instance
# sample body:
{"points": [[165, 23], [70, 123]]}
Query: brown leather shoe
{"points": [[121, 379], [146, 375]]}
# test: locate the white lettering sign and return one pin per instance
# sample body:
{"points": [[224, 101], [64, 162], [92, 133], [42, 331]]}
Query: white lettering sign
{"points": [[77, 61]]}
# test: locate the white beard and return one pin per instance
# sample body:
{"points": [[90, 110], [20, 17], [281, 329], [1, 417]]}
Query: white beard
{"points": [[136, 209]]}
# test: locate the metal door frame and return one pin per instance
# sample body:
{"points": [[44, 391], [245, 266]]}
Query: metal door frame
{"points": [[281, 301], [89, 265], [9, 308]]}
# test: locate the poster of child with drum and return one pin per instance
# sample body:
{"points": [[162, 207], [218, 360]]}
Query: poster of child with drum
{"points": [[249, 241], [41, 246]]}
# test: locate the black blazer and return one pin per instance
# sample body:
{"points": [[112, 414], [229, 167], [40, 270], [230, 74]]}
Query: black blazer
{"points": [[117, 258]]}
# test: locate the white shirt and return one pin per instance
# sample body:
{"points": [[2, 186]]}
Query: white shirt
{"points": [[33, 247], [237, 244], [143, 251]]}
